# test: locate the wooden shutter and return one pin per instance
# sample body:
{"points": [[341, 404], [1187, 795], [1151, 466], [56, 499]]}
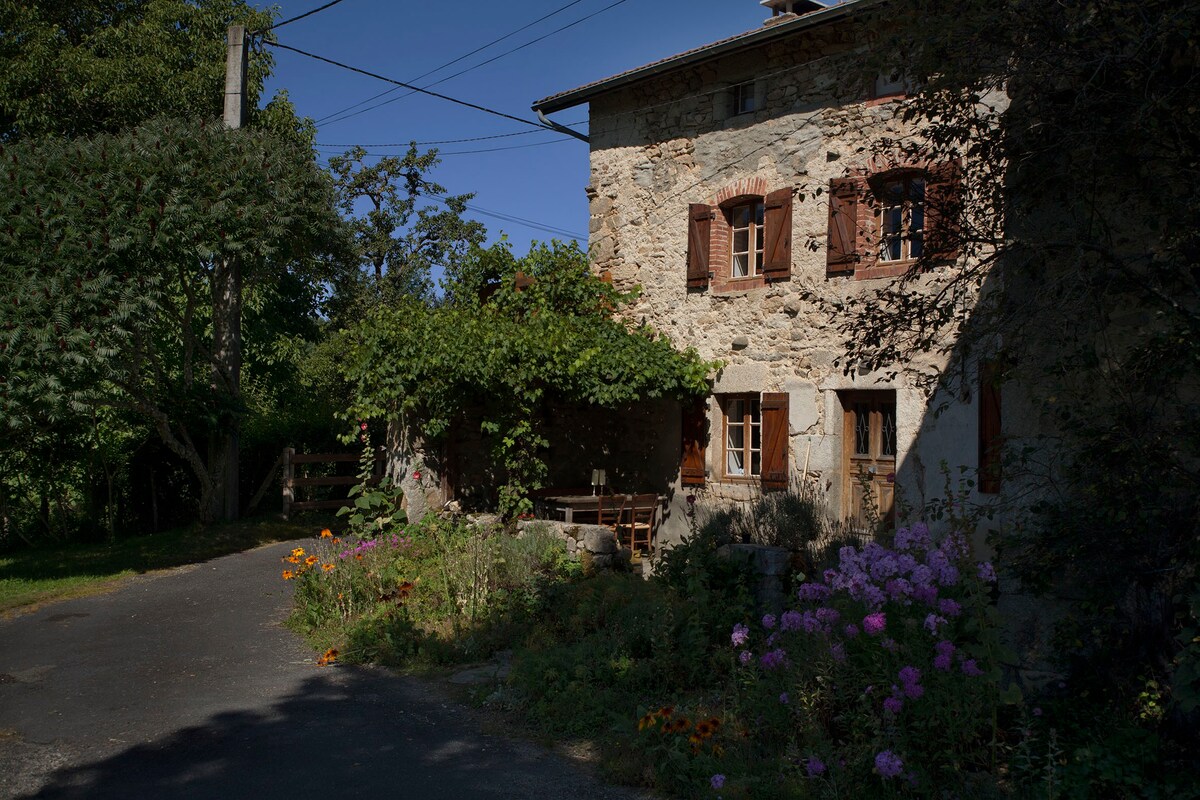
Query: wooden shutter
{"points": [[843, 247], [943, 212], [990, 441], [695, 436], [775, 440], [523, 281], [777, 251], [699, 228]]}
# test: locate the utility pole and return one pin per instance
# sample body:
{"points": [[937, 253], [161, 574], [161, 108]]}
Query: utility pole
{"points": [[227, 311]]}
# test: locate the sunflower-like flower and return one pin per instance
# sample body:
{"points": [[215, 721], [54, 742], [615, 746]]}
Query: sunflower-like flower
{"points": [[308, 562], [327, 567], [288, 574], [299, 551], [326, 533], [330, 656], [647, 721]]}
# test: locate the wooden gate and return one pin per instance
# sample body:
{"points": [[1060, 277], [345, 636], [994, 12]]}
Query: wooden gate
{"points": [[294, 462]]}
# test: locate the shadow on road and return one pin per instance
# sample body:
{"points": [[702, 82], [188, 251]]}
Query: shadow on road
{"points": [[337, 736]]}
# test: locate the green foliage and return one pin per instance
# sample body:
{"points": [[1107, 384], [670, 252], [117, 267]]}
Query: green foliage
{"points": [[508, 352], [82, 67], [399, 242], [107, 254]]}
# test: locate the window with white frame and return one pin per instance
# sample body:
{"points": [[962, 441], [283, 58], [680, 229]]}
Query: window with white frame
{"points": [[746, 239], [900, 218], [742, 99], [743, 435]]}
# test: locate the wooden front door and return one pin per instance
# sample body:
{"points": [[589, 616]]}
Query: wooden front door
{"points": [[869, 458]]}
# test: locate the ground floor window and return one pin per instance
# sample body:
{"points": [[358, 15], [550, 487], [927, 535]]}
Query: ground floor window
{"points": [[743, 435]]}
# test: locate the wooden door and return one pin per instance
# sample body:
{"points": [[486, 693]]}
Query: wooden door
{"points": [[869, 458]]}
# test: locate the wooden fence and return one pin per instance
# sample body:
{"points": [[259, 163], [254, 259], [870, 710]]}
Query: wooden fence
{"points": [[293, 463]]}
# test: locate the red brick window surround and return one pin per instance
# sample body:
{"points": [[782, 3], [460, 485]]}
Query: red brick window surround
{"points": [[741, 240]]}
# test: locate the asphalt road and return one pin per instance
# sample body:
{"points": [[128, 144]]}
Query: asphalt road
{"points": [[185, 685]]}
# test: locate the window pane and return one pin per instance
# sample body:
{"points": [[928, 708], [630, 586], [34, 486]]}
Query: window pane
{"points": [[916, 191], [758, 213], [741, 265], [735, 410], [892, 219], [741, 217], [756, 437], [917, 221], [754, 407], [890, 250], [862, 429], [734, 464], [737, 437], [915, 246], [756, 463], [887, 431], [741, 240]]}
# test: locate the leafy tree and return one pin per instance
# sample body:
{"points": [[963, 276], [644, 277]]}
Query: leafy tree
{"points": [[399, 241], [82, 67], [107, 255], [1079, 129], [504, 350]]}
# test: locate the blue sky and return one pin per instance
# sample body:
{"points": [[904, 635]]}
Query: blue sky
{"points": [[538, 179]]}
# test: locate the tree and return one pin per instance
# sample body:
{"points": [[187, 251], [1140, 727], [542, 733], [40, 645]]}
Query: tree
{"points": [[107, 254], [1079, 129], [504, 350], [399, 243]]}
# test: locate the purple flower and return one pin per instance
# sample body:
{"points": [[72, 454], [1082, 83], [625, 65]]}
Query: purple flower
{"points": [[874, 624], [915, 538], [888, 643], [717, 781], [921, 575], [971, 669], [945, 654], [790, 621], [773, 659], [740, 635], [933, 621], [815, 766], [744, 657], [783, 698], [898, 588], [925, 594], [909, 675], [951, 608], [829, 616], [850, 631], [987, 573], [914, 691], [947, 573], [888, 764], [1037, 712], [838, 652], [815, 592], [768, 621], [893, 705], [809, 622]]}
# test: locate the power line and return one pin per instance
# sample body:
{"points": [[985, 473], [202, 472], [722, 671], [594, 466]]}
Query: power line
{"points": [[377, 76], [295, 18], [454, 61], [444, 141], [480, 150], [519, 220], [476, 66]]}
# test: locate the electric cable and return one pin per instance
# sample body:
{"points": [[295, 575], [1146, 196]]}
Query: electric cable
{"points": [[480, 150], [295, 18], [454, 61], [444, 141]]}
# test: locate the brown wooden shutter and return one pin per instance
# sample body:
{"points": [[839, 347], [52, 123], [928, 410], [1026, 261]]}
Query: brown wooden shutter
{"points": [[843, 247], [990, 441], [943, 212], [775, 440], [777, 252], [695, 436], [523, 281], [699, 228]]}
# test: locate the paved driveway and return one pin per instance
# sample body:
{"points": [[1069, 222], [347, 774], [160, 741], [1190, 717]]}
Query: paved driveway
{"points": [[184, 685]]}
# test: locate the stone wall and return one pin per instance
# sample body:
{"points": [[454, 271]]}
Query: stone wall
{"points": [[664, 143]]}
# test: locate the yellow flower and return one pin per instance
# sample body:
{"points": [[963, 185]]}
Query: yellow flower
{"points": [[299, 551], [288, 575], [308, 562], [647, 721], [327, 567], [326, 534], [330, 656]]}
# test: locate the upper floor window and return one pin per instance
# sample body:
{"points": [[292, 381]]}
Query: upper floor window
{"points": [[890, 85], [900, 218], [746, 243], [742, 99]]}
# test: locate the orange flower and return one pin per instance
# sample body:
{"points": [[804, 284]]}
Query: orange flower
{"points": [[308, 562], [326, 534], [327, 567], [695, 740], [330, 656], [647, 721], [358, 557], [666, 711], [336, 540], [288, 575], [339, 595], [703, 730], [299, 551]]}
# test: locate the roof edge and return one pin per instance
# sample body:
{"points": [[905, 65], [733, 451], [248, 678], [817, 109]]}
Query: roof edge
{"points": [[583, 94]]}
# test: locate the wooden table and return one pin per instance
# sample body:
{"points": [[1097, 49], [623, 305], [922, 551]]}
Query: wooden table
{"points": [[579, 508]]}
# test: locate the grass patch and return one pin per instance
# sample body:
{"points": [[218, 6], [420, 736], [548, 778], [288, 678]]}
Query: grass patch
{"points": [[42, 575]]}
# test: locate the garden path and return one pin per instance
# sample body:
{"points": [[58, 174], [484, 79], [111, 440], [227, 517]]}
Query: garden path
{"points": [[184, 684]]}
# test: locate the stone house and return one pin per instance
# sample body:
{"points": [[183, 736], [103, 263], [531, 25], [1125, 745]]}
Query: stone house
{"points": [[733, 183]]}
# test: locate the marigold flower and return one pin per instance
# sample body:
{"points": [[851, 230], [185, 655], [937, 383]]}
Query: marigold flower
{"points": [[299, 551], [308, 562], [288, 575], [327, 567], [326, 533]]}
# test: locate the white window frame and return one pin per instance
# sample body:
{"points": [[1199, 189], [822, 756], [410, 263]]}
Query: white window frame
{"points": [[742, 425], [900, 218], [754, 229]]}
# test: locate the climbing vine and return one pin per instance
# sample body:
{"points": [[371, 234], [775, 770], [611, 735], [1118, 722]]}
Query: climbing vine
{"points": [[509, 336]]}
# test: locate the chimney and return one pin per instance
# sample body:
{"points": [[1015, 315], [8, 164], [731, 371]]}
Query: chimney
{"points": [[783, 10]]}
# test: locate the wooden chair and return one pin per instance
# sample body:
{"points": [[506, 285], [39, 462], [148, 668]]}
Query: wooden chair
{"points": [[636, 528], [609, 510]]}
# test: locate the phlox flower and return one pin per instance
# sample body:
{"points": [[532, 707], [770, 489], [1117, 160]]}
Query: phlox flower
{"points": [[814, 592], [815, 766], [950, 608], [914, 538], [768, 621], [888, 643], [971, 669], [850, 631], [717, 781], [945, 572], [987, 573], [874, 623], [837, 652], [783, 698], [827, 615], [773, 659], [932, 622], [893, 705], [909, 675], [744, 657], [898, 588], [925, 594], [888, 764], [790, 621], [945, 654], [740, 635]]}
